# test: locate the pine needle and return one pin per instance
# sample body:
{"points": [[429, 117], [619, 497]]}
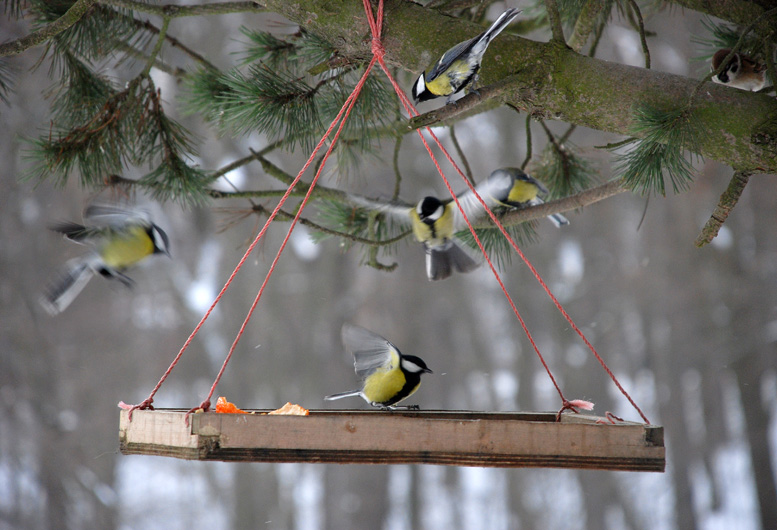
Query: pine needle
{"points": [[660, 153]]}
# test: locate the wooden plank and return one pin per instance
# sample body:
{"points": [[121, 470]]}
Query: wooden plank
{"points": [[459, 438]]}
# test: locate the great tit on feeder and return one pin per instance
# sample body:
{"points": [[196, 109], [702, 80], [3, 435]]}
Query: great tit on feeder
{"points": [[459, 66], [512, 188], [119, 238], [388, 376], [740, 72]]}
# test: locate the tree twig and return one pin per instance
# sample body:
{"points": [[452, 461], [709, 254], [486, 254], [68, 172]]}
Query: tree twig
{"points": [[642, 36], [356, 239], [554, 18], [71, 16], [157, 46], [584, 24], [175, 43], [373, 253], [726, 203], [397, 173], [528, 143], [465, 163]]}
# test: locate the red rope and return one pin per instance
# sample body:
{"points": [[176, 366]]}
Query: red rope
{"points": [[412, 111], [376, 24], [346, 109]]}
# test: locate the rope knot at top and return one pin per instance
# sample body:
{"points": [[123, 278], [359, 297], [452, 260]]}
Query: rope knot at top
{"points": [[377, 47]]}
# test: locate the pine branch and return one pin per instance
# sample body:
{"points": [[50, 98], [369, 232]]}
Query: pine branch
{"points": [[642, 36], [283, 215], [73, 15], [549, 80], [7, 77], [664, 136], [560, 168], [372, 260], [586, 21], [555, 21], [176, 10], [157, 46], [488, 96], [740, 12], [726, 203], [573, 202], [175, 43]]}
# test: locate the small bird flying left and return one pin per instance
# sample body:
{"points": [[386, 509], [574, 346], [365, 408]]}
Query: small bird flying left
{"points": [[119, 238], [388, 376]]}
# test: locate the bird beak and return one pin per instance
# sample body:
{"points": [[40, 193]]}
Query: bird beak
{"points": [[428, 371]]}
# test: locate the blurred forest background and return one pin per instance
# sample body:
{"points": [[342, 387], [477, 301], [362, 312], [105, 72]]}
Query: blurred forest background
{"points": [[691, 333]]}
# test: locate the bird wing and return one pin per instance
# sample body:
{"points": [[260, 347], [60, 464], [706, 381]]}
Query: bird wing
{"points": [[108, 215], [398, 211], [472, 207], [449, 57], [370, 351]]}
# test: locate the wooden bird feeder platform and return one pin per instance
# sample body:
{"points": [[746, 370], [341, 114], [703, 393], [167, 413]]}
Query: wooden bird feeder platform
{"points": [[455, 438]]}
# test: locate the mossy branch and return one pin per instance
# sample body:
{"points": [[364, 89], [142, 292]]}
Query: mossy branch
{"points": [[177, 11], [727, 201], [71, 16]]}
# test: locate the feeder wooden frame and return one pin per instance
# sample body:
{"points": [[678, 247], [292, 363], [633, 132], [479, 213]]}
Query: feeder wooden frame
{"points": [[456, 438]]}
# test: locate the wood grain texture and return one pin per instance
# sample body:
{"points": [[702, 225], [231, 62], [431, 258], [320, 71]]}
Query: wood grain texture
{"points": [[458, 438]]}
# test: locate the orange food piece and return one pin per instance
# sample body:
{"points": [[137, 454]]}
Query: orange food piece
{"points": [[290, 409], [224, 406]]}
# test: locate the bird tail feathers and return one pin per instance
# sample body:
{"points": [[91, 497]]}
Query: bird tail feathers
{"points": [[500, 23], [63, 291], [341, 395]]}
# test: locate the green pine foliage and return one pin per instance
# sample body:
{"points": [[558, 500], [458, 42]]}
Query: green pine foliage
{"points": [[95, 36], [660, 153], [106, 134], [720, 35], [563, 170], [7, 75], [355, 221], [495, 243]]}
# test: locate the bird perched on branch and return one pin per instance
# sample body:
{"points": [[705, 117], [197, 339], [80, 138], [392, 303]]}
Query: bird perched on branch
{"points": [[434, 223], [119, 238], [512, 188], [459, 66], [388, 376], [741, 71]]}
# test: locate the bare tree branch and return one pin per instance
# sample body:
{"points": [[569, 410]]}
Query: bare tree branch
{"points": [[726, 203], [70, 17]]}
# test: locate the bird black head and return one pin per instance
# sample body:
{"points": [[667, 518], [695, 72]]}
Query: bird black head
{"points": [[160, 239], [414, 365], [430, 209], [419, 90]]}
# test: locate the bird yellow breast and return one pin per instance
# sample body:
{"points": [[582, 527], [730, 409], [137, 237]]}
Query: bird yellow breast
{"points": [[386, 382], [459, 70], [522, 192], [443, 228], [128, 249]]}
